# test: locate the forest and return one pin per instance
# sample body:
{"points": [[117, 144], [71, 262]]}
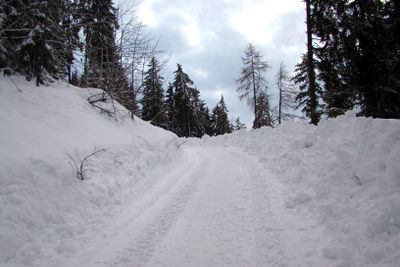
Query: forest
{"points": [[351, 63]]}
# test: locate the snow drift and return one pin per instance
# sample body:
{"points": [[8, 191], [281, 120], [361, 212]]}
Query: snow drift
{"points": [[345, 173], [44, 209]]}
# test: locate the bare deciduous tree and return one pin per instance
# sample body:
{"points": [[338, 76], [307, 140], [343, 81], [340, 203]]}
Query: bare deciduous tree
{"points": [[252, 80], [287, 95], [136, 48]]}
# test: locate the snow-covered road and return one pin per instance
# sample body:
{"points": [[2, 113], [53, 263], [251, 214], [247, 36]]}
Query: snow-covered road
{"points": [[213, 208]]}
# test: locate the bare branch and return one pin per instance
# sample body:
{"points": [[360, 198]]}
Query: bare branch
{"points": [[80, 170]]}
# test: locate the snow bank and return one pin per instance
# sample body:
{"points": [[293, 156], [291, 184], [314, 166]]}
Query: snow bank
{"points": [[45, 211], [346, 172]]}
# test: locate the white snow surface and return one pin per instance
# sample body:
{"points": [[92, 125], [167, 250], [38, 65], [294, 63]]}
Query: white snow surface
{"points": [[294, 195]]}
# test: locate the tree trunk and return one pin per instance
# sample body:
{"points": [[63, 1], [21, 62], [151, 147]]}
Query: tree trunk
{"points": [[310, 68], [254, 89]]}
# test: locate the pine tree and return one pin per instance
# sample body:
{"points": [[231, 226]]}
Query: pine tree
{"points": [[287, 96], [153, 109], [183, 95], [357, 56], [220, 121], [252, 80], [170, 109], [303, 98], [312, 85], [207, 122], [263, 115], [239, 125], [33, 38], [199, 115], [102, 64], [102, 67]]}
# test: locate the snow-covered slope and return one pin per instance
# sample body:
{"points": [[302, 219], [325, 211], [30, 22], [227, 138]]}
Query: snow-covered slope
{"points": [[295, 195], [44, 209]]}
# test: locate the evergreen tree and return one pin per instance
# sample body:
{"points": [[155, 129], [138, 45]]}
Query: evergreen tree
{"points": [[170, 109], [252, 80], [303, 98], [183, 96], [102, 63], [220, 119], [239, 125], [199, 115], [263, 115], [32, 39], [153, 96], [186, 112], [74, 78], [207, 122], [357, 56], [286, 94], [312, 85]]}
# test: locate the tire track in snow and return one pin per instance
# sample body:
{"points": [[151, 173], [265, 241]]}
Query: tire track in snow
{"points": [[216, 229], [156, 213], [267, 229]]}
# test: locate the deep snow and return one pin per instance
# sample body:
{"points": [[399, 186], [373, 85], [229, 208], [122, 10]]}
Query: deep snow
{"points": [[295, 195]]}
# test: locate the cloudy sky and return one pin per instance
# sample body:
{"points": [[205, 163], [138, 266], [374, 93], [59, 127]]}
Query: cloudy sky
{"points": [[208, 38]]}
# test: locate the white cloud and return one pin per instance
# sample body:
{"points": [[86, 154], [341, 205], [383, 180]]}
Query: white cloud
{"points": [[254, 19], [191, 30], [145, 13]]}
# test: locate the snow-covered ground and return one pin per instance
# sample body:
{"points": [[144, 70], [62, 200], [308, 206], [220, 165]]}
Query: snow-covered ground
{"points": [[295, 195]]}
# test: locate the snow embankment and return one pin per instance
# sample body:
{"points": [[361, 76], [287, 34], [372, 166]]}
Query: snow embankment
{"points": [[346, 172], [45, 211]]}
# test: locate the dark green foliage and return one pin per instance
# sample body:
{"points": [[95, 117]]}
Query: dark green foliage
{"points": [[303, 97], [239, 125], [33, 38], [153, 108], [183, 96], [99, 22], [103, 68], [357, 57], [200, 119], [263, 116], [220, 121], [187, 114], [313, 100], [170, 109]]}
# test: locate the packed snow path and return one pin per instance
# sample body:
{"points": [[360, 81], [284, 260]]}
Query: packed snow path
{"points": [[214, 208]]}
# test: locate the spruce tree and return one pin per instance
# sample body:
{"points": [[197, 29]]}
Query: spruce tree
{"points": [[153, 109], [263, 115], [32, 39], [183, 95], [239, 125], [303, 98], [220, 121], [312, 85], [102, 66], [170, 109], [198, 115], [357, 56]]}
